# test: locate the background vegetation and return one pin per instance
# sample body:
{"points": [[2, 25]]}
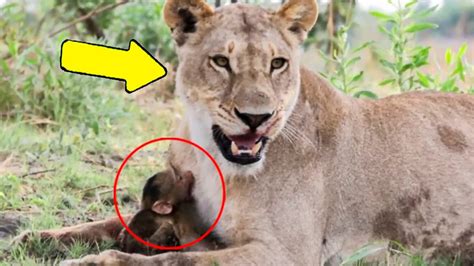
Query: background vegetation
{"points": [[62, 136]]}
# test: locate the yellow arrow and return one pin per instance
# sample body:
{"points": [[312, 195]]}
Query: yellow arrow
{"points": [[135, 66]]}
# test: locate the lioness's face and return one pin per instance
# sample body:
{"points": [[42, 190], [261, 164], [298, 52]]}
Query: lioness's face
{"points": [[239, 74]]}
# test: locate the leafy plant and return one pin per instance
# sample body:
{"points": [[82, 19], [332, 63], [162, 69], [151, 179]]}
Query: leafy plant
{"points": [[403, 59], [344, 76], [457, 72], [364, 252], [395, 254], [33, 87], [143, 21], [332, 14]]}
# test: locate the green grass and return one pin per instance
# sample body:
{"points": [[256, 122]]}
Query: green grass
{"points": [[60, 146], [77, 184], [50, 252], [63, 137], [379, 253], [80, 167]]}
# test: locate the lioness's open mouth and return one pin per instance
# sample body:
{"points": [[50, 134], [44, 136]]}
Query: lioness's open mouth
{"points": [[242, 149]]}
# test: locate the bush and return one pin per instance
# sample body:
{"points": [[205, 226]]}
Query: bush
{"points": [[405, 60], [32, 86]]}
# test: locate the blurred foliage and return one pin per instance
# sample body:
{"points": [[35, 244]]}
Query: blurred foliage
{"points": [[33, 88], [404, 57], [343, 75], [457, 71], [141, 20], [31, 85], [455, 17], [77, 8], [332, 16], [395, 254]]}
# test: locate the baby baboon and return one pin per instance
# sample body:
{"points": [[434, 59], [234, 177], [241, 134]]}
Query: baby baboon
{"points": [[165, 190], [155, 222], [152, 227]]}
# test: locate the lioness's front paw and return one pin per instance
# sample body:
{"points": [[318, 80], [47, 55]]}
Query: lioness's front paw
{"points": [[23, 237], [108, 257], [173, 259], [27, 236]]}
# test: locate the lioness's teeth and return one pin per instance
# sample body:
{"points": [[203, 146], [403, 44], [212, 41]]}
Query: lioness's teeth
{"points": [[256, 148], [234, 148]]}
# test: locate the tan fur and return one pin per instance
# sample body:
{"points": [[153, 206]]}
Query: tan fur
{"points": [[199, 8], [338, 173]]}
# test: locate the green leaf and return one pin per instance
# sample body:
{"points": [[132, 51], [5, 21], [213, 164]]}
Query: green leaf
{"points": [[383, 30], [421, 50], [448, 56], [326, 57], [406, 67], [386, 82], [362, 47], [424, 13], [459, 70], [337, 83], [4, 65], [471, 90], [449, 85], [416, 27], [420, 58], [388, 64], [352, 61], [13, 48], [381, 15], [357, 77], [411, 3], [364, 252], [462, 51], [95, 127], [366, 94], [423, 80]]}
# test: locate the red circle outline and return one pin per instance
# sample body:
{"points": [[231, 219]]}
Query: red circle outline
{"points": [[221, 176]]}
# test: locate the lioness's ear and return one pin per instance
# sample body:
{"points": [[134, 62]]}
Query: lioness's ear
{"points": [[299, 15], [182, 15]]}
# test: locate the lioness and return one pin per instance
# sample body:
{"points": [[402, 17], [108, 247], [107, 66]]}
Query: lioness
{"points": [[311, 174]]}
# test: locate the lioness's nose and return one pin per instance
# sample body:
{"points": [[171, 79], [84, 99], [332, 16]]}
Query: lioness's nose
{"points": [[253, 120]]}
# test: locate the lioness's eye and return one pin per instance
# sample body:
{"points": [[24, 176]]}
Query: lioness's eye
{"points": [[221, 61], [278, 63]]}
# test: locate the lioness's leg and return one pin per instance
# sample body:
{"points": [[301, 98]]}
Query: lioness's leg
{"points": [[103, 230], [255, 253]]}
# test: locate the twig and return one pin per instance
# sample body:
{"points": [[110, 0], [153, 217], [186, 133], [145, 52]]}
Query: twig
{"points": [[89, 15], [91, 188], [38, 172], [41, 121], [42, 20], [111, 190], [7, 114], [330, 27], [10, 211]]}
